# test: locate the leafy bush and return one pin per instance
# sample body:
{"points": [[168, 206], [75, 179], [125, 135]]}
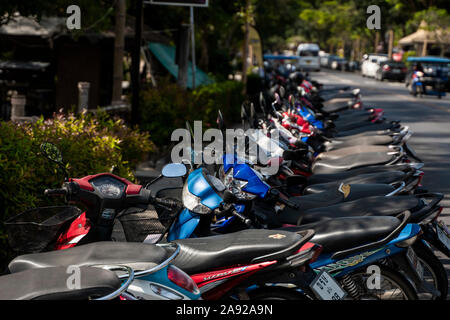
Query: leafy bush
{"points": [[167, 108], [89, 144]]}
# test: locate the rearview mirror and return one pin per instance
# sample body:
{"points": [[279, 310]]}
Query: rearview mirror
{"points": [[51, 152], [173, 170]]}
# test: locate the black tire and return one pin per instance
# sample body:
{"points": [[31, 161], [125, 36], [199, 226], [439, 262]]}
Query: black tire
{"points": [[276, 293], [426, 255], [394, 277]]}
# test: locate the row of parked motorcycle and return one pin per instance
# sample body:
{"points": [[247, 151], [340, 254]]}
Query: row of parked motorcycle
{"points": [[344, 217]]}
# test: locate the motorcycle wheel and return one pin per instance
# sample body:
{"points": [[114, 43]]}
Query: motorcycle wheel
{"points": [[276, 293], [393, 286], [434, 271]]}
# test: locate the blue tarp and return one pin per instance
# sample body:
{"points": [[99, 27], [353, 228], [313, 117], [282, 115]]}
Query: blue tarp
{"points": [[428, 59], [280, 57], [166, 55]]}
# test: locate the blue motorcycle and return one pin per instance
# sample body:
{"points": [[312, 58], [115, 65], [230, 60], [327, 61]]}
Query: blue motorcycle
{"points": [[350, 245]]}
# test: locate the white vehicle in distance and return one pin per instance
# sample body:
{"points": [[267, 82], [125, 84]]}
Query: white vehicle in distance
{"points": [[371, 63], [323, 56], [308, 57]]}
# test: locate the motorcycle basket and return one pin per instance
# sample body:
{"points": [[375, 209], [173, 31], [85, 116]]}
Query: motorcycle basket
{"points": [[33, 230], [149, 224]]}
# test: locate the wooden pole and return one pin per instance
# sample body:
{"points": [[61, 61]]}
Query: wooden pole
{"points": [[136, 58], [391, 43], [183, 56], [193, 46], [119, 41], [245, 53]]}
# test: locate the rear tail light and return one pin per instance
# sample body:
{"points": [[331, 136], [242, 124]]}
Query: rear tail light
{"points": [[313, 249], [421, 174], [181, 279], [386, 68], [317, 251]]}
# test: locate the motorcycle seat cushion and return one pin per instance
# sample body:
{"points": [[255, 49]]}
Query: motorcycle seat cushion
{"points": [[345, 233], [351, 150], [370, 206], [336, 104], [350, 162], [360, 175], [373, 128], [331, 197], [51, 284], [139, 256], [242, 247], [382, 179], [364, 140]]}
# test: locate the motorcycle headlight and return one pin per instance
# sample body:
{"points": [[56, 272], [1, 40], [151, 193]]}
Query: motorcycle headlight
{"points": [[192, 202], [235, 186]]}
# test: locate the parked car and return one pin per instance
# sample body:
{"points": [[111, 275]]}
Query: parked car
{"points": [[308, 57], [392, 70], [337, 63], [353, 66], [371, 63], [324, 59]]}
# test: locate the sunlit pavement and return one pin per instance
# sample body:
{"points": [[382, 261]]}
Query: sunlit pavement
{"points": [[428, 117]]}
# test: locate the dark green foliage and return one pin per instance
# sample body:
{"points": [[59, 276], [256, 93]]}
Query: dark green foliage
{"points": [[89, 145], [167, 108]]}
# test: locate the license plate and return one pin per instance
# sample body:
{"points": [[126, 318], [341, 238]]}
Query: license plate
{"points": [[326, 288], [443, 235], [415, 263], [396, 71]]}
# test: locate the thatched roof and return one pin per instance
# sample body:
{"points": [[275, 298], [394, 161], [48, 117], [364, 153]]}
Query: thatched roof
{"points": [[422, 35]]}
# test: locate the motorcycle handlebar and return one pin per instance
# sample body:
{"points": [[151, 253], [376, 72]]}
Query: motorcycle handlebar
{"points": [[167, 202], [247, 221], [56, 192]]}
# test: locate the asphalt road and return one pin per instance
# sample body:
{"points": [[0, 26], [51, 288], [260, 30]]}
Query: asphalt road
{"points": [[428, 117]]}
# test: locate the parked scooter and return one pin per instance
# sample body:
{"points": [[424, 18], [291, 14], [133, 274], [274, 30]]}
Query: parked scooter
{"points": [[267, 258]]}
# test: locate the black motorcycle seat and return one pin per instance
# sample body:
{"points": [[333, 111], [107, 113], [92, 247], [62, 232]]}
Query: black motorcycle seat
{"points": [[345, 233], [374, 128], [370, 206], [369, 174], [352, 150], [295, 154], [331, 197], [336, 104], [51, 284], [242, 247], [139, 256], [365, 140], [351, 162]]}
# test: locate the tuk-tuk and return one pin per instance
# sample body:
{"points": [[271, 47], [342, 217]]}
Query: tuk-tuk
{"points": [[428, 76]]}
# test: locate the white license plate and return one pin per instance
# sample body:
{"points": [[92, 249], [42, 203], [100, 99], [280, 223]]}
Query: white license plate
{"points": [[396, 71], [415, 263], [443, 236], [326, 288]]}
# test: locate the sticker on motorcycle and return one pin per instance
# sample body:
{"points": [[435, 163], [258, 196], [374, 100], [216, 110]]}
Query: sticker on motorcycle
{"points": [[345, 189]]}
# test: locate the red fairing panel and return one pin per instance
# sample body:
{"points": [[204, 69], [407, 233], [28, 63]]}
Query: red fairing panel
{"points": [[86, 185]]}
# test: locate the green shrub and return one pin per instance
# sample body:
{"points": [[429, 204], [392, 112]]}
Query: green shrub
{"points": [[89, 145], [167, 108]]}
